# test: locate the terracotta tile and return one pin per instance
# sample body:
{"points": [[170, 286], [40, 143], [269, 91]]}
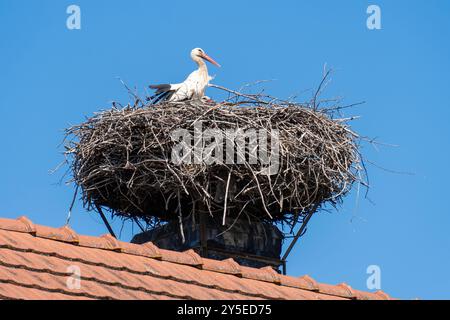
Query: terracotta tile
{"points": [[313, 283], [360, 295], [179, 257], [63, 234], [260, 274], [95, 242], [228, 266], [148, 250], [11, 291], [383, 295], [19, 225], [338, 291], [298, 283]]}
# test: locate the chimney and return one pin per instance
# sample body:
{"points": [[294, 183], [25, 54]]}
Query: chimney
{"points": [[250, 243]]}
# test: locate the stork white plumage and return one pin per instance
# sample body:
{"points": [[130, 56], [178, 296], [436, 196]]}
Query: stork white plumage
{"points": [[193, 87]]}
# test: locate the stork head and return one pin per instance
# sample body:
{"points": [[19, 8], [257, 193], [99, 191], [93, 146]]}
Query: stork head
{"points": [[198, 54]]}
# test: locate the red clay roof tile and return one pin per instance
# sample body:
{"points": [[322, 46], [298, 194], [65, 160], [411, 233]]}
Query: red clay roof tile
{"points": [[299, 283], [20, 225], [64, 234], [148, 250], [228, 266], [10, 291], [180, 258], [313, 283], [36, 262], [264, 274], [383, 295]]}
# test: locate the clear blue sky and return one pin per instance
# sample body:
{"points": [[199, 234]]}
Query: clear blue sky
{"points": [[51, 77]]}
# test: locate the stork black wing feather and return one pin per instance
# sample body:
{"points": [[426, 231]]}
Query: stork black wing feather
{"points": [[163, 93], [164, 96], [160, 88]]}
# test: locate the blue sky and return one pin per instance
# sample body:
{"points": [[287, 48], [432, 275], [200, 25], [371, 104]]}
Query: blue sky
{"points": [[51, 77]]}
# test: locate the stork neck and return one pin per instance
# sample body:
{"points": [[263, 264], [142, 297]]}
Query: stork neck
{"points": [[202, 69], [202, 65]]}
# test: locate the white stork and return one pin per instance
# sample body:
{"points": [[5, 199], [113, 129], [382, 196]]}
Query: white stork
{"points": [[193, 87]]}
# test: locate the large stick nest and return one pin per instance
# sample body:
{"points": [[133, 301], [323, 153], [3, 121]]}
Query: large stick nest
{"points": [[122, 159]]}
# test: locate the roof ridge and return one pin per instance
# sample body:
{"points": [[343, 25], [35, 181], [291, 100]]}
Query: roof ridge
{"points": [[188, 258]]}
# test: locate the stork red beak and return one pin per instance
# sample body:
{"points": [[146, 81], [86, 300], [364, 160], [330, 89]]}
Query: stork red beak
{"points": [[208, 58]]}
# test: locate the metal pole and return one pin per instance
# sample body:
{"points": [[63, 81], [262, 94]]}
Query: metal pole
{"points": [[139, 224], [105, 221], [203, 237], [299, 233]]}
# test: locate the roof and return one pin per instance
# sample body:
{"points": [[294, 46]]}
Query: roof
{"points": [[38, 262]]}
